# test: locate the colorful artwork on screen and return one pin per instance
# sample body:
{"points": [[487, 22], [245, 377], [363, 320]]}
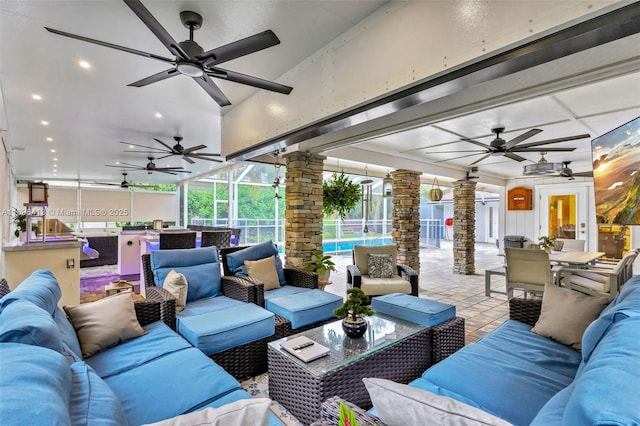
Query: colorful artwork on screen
{"points": [[616, 177]]}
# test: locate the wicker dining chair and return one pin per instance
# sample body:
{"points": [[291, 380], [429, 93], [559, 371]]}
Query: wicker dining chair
{"points": [[220, 239], [177, 240]]}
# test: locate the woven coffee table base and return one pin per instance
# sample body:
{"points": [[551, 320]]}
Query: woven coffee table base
{"points": [[302, 393]]}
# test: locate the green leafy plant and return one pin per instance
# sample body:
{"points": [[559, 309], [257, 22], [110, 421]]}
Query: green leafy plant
{"points": [[340, 195], [347, 416], [320, 263], [546, 242], [355, 307], [19, 219]]}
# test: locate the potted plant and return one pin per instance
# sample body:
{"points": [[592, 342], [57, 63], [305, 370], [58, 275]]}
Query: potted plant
{"points": [[352, 311], [19, 219], [322, 265], [340, 195], [547, 243]]}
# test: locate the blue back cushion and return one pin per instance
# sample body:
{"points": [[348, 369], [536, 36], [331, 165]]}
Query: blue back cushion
{"points": [[34, 384], [40, 288], [69, 337], [92, 401], [235, 260], [200, 267], [24, 322]]}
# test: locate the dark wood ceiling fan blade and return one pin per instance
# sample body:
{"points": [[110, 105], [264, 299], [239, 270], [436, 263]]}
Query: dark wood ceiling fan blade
{"points": [[205, 154], [145, 152], [193, 148], [556, 140], [583, 174], [162, 75], [214, 91], [110, 45], [547, 149], [477, 151], [476, 143], [458, 158], [249, 80], [481, 159], [187, 159], [158, 30], [526, 135], [171, 154], [200, 157], [170, 169], [514, 156], [239, 48], [142, 146], [164, 144], [120, 166]]}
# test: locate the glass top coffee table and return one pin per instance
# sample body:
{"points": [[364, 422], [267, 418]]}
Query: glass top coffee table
{"points": [[391, 348]]}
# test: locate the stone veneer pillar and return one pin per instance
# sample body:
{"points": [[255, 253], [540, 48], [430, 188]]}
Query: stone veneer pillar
{"points": [[405, 222], [464, 227], [303, 211]]}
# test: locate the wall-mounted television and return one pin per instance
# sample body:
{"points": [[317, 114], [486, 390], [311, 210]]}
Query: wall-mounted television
{"points": [[616, 175]]}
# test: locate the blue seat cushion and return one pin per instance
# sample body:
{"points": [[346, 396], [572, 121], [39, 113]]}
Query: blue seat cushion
{"points": [[304, 307], [167, 395], [23, 322], [35, 384], [511, 373], [552, 412], [605, 385], [159, 341], [206, 305], [422, 311], [92, 402], [286, 290], [235, 260], [218, 331], [40, 288], [200, 267]]}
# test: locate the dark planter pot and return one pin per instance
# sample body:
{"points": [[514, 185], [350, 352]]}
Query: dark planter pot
{"points": [[354, 329]]}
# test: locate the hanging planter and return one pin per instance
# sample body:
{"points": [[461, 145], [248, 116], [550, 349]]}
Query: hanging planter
{"points": [[435, 194], [340, 195]]}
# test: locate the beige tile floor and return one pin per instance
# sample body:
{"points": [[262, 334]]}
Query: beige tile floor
{"points": [[437, 281]]}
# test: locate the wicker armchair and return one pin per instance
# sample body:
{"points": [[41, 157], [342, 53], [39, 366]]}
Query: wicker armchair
{"points": [[177, 240], [220, 239], [4, 287], [293, 277], [406, 280]]}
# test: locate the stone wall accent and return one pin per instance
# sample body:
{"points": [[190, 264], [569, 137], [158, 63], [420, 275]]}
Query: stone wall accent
{"points": [[464, 227], [303, 214], [405, 222]]}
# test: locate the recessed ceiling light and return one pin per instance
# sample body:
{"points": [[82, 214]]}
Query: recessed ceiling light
{"points": [[132, 147], [158, 115], [84, 64], [52, 150], [55, 158], [36, 97], [49, 139], [117, 162], [44, 122]]}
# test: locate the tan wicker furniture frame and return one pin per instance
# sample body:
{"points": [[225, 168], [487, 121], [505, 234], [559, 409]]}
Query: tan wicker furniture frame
{"points": [[302, 391]]}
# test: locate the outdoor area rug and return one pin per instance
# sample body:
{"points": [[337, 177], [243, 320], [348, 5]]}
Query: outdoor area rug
{"points": [[258, 387]]}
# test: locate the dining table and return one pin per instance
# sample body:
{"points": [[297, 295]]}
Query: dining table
{"points": [[575, 258]]}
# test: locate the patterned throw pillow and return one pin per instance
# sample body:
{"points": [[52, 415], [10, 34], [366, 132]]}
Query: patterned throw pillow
{"points": [[380, 265]]}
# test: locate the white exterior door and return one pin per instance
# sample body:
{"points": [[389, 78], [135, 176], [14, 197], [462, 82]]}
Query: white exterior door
{"points": [[567, 211]]}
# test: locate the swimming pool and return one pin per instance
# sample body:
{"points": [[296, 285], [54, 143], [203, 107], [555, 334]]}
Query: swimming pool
{"points": [[337, 246]]}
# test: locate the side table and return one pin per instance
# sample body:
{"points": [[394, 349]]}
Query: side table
{"points": [[117, 287]]}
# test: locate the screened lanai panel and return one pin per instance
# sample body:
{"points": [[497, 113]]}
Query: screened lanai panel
{"points": [[105, 205], [63, 203], [148, 206]]}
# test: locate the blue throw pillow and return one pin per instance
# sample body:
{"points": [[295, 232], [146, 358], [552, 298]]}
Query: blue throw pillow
{"points": [[24, 322], [40, 288], [235, 260], [200, 267]]}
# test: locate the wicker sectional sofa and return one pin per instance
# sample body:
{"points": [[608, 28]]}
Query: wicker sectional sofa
{"points": [[526, 379], [150, 378]]}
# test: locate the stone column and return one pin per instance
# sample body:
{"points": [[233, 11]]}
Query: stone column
{"points": [[406, 217], [464, 227], [303, 212]]}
